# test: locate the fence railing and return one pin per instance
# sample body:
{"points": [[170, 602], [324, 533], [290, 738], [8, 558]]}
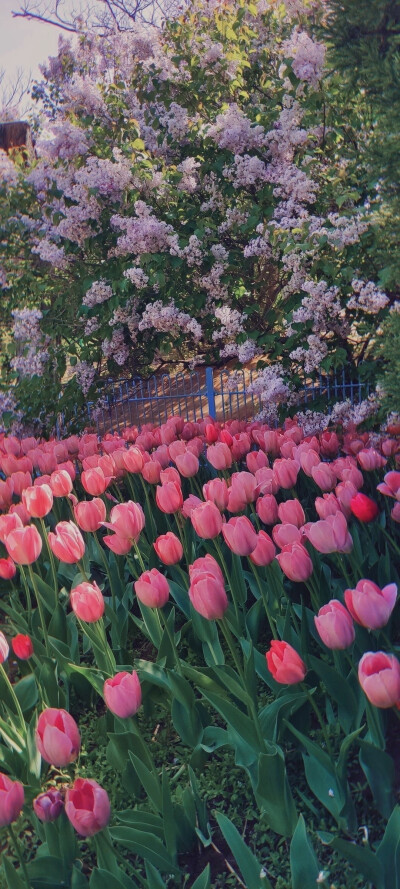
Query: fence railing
{"points": [[222, 394]]}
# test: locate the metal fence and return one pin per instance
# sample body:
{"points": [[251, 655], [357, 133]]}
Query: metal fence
{"points": [[222, 394]]}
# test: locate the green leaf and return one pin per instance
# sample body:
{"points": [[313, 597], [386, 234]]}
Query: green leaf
{"points": [[378, 768], [47, 871], [104, 879], [365, 862], [13, 879], [203, 881], [303, 863], [149, 781], [248, 864], [388, 851], [27, 692], [146, 845], [273, 792], [168, 817], [338, 688]]}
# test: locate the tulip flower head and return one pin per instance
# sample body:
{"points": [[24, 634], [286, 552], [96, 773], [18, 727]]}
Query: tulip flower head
{"points": [[57, 737], [335, 625], [123, 694], [369, 605], [365, 509], [48, 806], [379, 677], [11, 800], [87, 602], [22, 646], [87, 807], [284, 664]]}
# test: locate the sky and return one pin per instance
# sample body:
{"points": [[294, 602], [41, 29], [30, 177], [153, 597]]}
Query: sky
{"points": [[23, 44]]}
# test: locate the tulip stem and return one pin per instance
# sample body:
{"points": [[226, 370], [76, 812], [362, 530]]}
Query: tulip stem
{"points": [[264, 598], [197, 487], [52, 562], [222, 560], [15, 699], [164, 621], [39, 604], [106, 568], [149, 509], [342, 568], [19, 855], [391, 541], [139, 555], [317, 712], [250, 703], [28, 596], [181, 535]]}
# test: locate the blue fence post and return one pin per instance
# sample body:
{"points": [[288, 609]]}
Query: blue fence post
{"points": [[210, 392]]}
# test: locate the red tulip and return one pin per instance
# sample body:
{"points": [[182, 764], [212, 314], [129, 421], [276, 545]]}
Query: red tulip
{"points": [[123, 694], [365, 509], [22, 646], [87, 807], [285, 665], [7, 569]]}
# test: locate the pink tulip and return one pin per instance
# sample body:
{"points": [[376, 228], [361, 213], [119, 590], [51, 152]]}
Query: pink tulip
{"points": [[354, 476], [57, 737], [7, 569], [335, 626], [24, 545], [169, 498], [152, 589], [61, 483], [369, 459], [389, 447], [170, 474], [67, 542], [216, 491], [283, 535], [207, 520], [345, 491], [11, 800], [4, 648], [127, 520], [267, 509], [6, 493], [324, 476], [271, 442], [329, 444], [48, 806], [264, 553], [369, 605], [295, 562], [19, 510], [330, 535], [87, 807], [118, 545], [90, 514], [284, 664], [256, 460], [379, 677], [168, 548], [291, 511], [87, 602], [240, 535], [38, 501], [285, 472], [326, 505], [395, 513], [191, 503], [133, 460], [308, 461], [219, 456], [21, 480], [245, 484], [94, 481], [207, 589], [187, 464], [123, 694], [266, 481], [391, 485], [69, 467], [8, 523]]}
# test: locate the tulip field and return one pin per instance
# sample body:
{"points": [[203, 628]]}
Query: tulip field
{"points": [[199, 658]]}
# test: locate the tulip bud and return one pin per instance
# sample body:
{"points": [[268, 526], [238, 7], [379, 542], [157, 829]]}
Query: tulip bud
{"points": [[57, 737], [90, 514], [285, 665], [152, 589], [335, 626], [240, 535], [87, 602], [206, 520], [38, 501], [48, 806], [24, 545], [123, 694], [61, 483], [22, 646], [379, 677], [11, 800], [7, 569], [369, 605], [168, 548], [365, 509], [67, 542]]}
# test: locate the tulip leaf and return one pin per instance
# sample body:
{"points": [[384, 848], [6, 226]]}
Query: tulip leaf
{"points": [[151, 822], [154, 877], [235, 719], [104, 879], [146, 845], [47, 594], [388, 851], [247, 862], [338, 688], [378, 768], [303, 863], [203, 881], [26, 692], [365, 862], [47, 871], [148, 780], [273, 792], [281, 708], [13, 880]]}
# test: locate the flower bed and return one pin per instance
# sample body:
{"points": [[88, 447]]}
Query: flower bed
{"points": [[231, 589]]}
